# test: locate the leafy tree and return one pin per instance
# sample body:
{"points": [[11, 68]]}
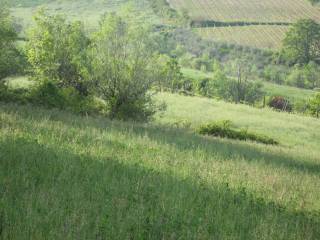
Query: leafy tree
{"points": [[302, 42], [314, 1], [57, 51], [297, 78], [274, 74], [123, 67], [219, 84], [173, 75], [240, 89], [314, 105], [312, 74], [216, 85], [306, 76], [9, 55]]}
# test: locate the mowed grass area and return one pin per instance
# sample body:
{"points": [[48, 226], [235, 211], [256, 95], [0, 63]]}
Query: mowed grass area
{"points": [[248, 10], [293, 93], [89, 12], [64, 176], [262, 37]]}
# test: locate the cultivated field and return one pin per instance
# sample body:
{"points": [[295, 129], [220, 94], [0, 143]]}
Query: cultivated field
{"points": [[64, 176], [264, 37], [274, 12], [248, 10]]}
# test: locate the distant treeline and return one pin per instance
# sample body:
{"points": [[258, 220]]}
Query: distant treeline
{"points": [[212, 23]]}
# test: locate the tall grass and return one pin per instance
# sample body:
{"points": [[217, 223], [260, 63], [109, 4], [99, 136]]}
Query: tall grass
{"points": [[64, 176]]}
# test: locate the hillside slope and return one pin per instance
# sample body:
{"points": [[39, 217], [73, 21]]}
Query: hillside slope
{"points": [[64, 176], [86, 11]]}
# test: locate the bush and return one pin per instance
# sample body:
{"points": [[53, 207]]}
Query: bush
{"points": [[49, 95], [12, 95], [314, 105], [124, 68], [224, 129], [205, 87], [280, 103], [57, 52]]}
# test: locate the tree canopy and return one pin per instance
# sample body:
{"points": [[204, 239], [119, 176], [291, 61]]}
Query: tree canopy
{"points": [[302, 43], [8, 37], [57, 51]]}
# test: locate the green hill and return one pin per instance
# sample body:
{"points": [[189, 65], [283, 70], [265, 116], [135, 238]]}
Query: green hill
{"points": [[64, 176], [88, 12]]}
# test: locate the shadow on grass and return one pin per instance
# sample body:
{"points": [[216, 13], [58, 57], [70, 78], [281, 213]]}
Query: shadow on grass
{"points": [[180, 139], [53, 193]]}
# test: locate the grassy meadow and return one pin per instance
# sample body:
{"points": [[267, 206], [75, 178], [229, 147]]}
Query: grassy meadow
{"points": [[89, 12], [65, 176], [85, 176]]}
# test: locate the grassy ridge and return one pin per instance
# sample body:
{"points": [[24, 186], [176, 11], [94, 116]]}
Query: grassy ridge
{"points": [[64, 176]]}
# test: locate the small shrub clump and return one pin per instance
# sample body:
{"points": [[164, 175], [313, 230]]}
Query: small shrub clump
{"points": [[280, 103], [224, 130]]}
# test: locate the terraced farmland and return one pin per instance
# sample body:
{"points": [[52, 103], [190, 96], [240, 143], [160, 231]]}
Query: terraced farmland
{"points": [[266, 37], [248, 10], [254, 23]]}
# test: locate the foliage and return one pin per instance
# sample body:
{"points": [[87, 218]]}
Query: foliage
{"points": [[12, 95], [49, 95], [224, 129], [240, 90], [276, 74], [57, 52], [11, 59], [306, 76], [280, 103], [314, 105], [162, 8], [314, 1], [123, 67], [173, 76], [302, 42]]}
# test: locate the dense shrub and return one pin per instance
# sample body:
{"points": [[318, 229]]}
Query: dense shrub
{"points": [[224, 129], [12, 95], [124, 67], [11, 58], [49, 95], [314, 105], [274, 74], [205, 87], [57, 52], [280, 103]]}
